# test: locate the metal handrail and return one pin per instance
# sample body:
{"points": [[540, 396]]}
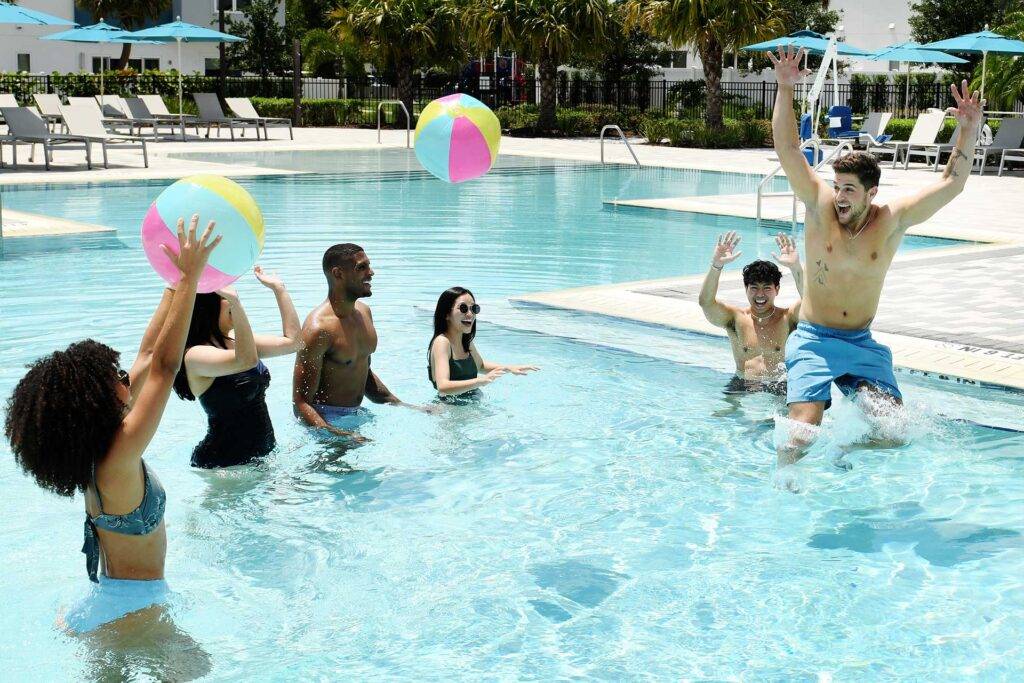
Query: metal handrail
{"points": [[813, 144], [408, 119], [622, 136]]}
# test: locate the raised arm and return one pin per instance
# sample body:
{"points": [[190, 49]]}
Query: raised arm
{"points": [[290, 339], [144, 358], [141, 422], [919, 207], [809, 188], [789, 257], [440, 349], [717, 313], [206, 360]]}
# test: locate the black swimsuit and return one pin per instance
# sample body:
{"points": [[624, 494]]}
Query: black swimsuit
{"points": [[239, 424]]}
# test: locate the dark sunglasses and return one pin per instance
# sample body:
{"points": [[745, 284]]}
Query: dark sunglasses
{"points": [[124, 378], [466, 308]]}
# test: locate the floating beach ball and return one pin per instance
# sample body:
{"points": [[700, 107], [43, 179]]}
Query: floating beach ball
{"points": [[238, 220], [457, 138]]}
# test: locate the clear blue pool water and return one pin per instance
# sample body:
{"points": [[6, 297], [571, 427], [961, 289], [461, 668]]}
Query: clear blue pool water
{"points": [[612, 516]]}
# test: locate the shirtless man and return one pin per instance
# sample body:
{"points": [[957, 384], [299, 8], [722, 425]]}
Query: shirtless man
{"points": [[758, 332], [849, 244], [332, 374]]}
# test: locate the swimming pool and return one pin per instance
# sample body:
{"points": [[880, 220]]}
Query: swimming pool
{"points": [[611, 516]]}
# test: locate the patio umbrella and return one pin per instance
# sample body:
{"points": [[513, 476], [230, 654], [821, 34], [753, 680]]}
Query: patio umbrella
{"points": [[14, 14], [981, 43], [179, 32], [913, 53], [101, 33]]}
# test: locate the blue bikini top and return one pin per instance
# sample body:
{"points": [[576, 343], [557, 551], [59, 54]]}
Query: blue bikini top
{"points": [[139, 522]]}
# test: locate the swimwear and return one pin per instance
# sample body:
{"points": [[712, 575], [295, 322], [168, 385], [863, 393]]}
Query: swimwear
{"points": [[141, 521], [239, 428], [741, 385], [458, 370], [343, 417], [111, 599], [817, 356]]}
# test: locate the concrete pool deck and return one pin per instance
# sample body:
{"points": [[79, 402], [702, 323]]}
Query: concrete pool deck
{"points": [[947, 311]]}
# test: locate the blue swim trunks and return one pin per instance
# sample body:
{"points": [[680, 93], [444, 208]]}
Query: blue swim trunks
{"points": [[111, 599], [817, 356], [343, 417]]}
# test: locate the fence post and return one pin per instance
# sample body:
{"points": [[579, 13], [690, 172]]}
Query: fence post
{"points": [[297, 82]]}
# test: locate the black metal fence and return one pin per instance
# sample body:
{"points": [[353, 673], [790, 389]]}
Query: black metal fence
{"points": [[683, 99]]}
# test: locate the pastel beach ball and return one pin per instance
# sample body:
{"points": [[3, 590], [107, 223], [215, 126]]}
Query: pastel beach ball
{"points": [[457, 138], [237, 217]]}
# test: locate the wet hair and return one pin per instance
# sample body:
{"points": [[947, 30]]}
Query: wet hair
{"points": [[861, 164], [204, 329], [757, 272], [443, 309], [339, 255], [63, 415]]}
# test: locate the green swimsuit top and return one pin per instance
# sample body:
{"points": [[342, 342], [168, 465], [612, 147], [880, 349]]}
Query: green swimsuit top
{"points": [[458, 370]]}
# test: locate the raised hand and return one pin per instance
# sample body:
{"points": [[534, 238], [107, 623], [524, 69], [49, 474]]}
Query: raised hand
{"points": [[787, 65], [192, 253], [788, 255], [269, 280], [969, 106], [228, 293], [725, 250], [521, 369], [492, 375]]}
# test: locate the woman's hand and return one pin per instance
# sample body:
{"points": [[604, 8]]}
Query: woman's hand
{"points": [[268, 280], [192, 253], [521, 369], [491, 376], [229, 294]]}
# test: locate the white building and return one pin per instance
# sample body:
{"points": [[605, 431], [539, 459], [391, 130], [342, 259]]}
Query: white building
{"points": [[23, 51]]}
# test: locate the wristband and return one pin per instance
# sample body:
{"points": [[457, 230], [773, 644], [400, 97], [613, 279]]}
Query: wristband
{"points": [[716, 267]]}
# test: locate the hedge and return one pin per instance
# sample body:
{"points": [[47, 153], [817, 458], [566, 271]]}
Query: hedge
{"points": [[695, 133], [900, 129]]}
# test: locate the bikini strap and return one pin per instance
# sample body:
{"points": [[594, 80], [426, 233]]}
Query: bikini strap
{"points": [[96, 488]]}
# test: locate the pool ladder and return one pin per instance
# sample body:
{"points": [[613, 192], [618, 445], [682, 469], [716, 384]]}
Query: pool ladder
{"points": [[812, 144], [622, 136], [408, 119]]}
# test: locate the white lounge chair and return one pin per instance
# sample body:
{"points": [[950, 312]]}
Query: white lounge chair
{"points": [[85, 122], [115, 123], [157, 109], [871, 131], [8, 100], [928, 150], [243, 108], [1009, 137], [27, 127], [925, 130], [49, 108], [139, 112], [210, 115]]}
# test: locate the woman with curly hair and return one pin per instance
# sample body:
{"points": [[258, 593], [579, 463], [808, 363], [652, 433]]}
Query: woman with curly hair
{"points": [[223, 368], [78, 422]]}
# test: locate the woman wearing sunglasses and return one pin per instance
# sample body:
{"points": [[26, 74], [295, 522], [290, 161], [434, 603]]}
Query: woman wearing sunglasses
{"points": [[454, 364], [78, 422]]}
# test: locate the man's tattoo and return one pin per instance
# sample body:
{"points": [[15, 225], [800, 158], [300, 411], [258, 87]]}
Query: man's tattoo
{"points": [[955, 156], [821, 274]]}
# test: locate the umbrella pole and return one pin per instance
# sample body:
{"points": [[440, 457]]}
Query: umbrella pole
{"points": [[984, 67], [181, 114], [906, 99]]}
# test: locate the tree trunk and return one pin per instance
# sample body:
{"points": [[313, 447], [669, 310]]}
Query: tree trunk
{"points": [[404, 73], [711, 56], [126, 52], [548, 72]]}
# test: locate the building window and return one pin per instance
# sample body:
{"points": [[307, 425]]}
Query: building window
{"points": [[107, 64], [678, 59], [212, 66], [24, 61], [231, 5]]}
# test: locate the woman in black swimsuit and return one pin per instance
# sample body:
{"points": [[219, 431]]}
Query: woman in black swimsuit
{"points": [[225, 372], [454, 364]]}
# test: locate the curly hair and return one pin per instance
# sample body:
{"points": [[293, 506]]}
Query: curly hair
{"points": [[63, 415], [759, 272]]}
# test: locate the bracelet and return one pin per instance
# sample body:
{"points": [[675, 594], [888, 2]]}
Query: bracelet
{"points": [[716, 267]]}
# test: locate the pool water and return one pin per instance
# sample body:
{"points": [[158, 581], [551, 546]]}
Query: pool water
{"points": [[611, 516]]}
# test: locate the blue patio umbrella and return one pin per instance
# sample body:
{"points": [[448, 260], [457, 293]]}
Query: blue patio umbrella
{"points": [[981, 43], [179, 32], [15, 14], [913, 53], [97, 33], [814, 43]]}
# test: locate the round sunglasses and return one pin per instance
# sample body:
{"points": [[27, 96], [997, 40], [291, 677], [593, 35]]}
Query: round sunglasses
{"points": [[466, 308]]}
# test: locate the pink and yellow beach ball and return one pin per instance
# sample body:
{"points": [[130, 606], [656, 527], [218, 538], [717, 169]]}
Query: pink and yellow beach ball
{"points": [[457, 138], [238, 220]]}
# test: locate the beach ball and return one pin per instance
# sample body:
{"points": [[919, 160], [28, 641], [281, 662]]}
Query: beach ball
{"points": [[238, 220], [457, 138]]}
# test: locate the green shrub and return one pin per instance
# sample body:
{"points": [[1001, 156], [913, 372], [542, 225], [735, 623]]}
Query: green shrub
{"points": [[654, 129], [900, 129], [679, 132]]}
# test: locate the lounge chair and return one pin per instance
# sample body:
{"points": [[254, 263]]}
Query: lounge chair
{"points": [[115, 122], [85, 122], [27, 127], [210, 115], [49, 108], [139, 112], [1009, 137], [8, 100], [925, 130], [928, 149], [242, 108], [871, 131], [157, 109], [840, 121]]}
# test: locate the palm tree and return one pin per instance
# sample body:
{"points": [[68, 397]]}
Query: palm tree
{"points": [[713, 27], [131, 14], [1004, 84], [545, 32], [402, 34]]}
